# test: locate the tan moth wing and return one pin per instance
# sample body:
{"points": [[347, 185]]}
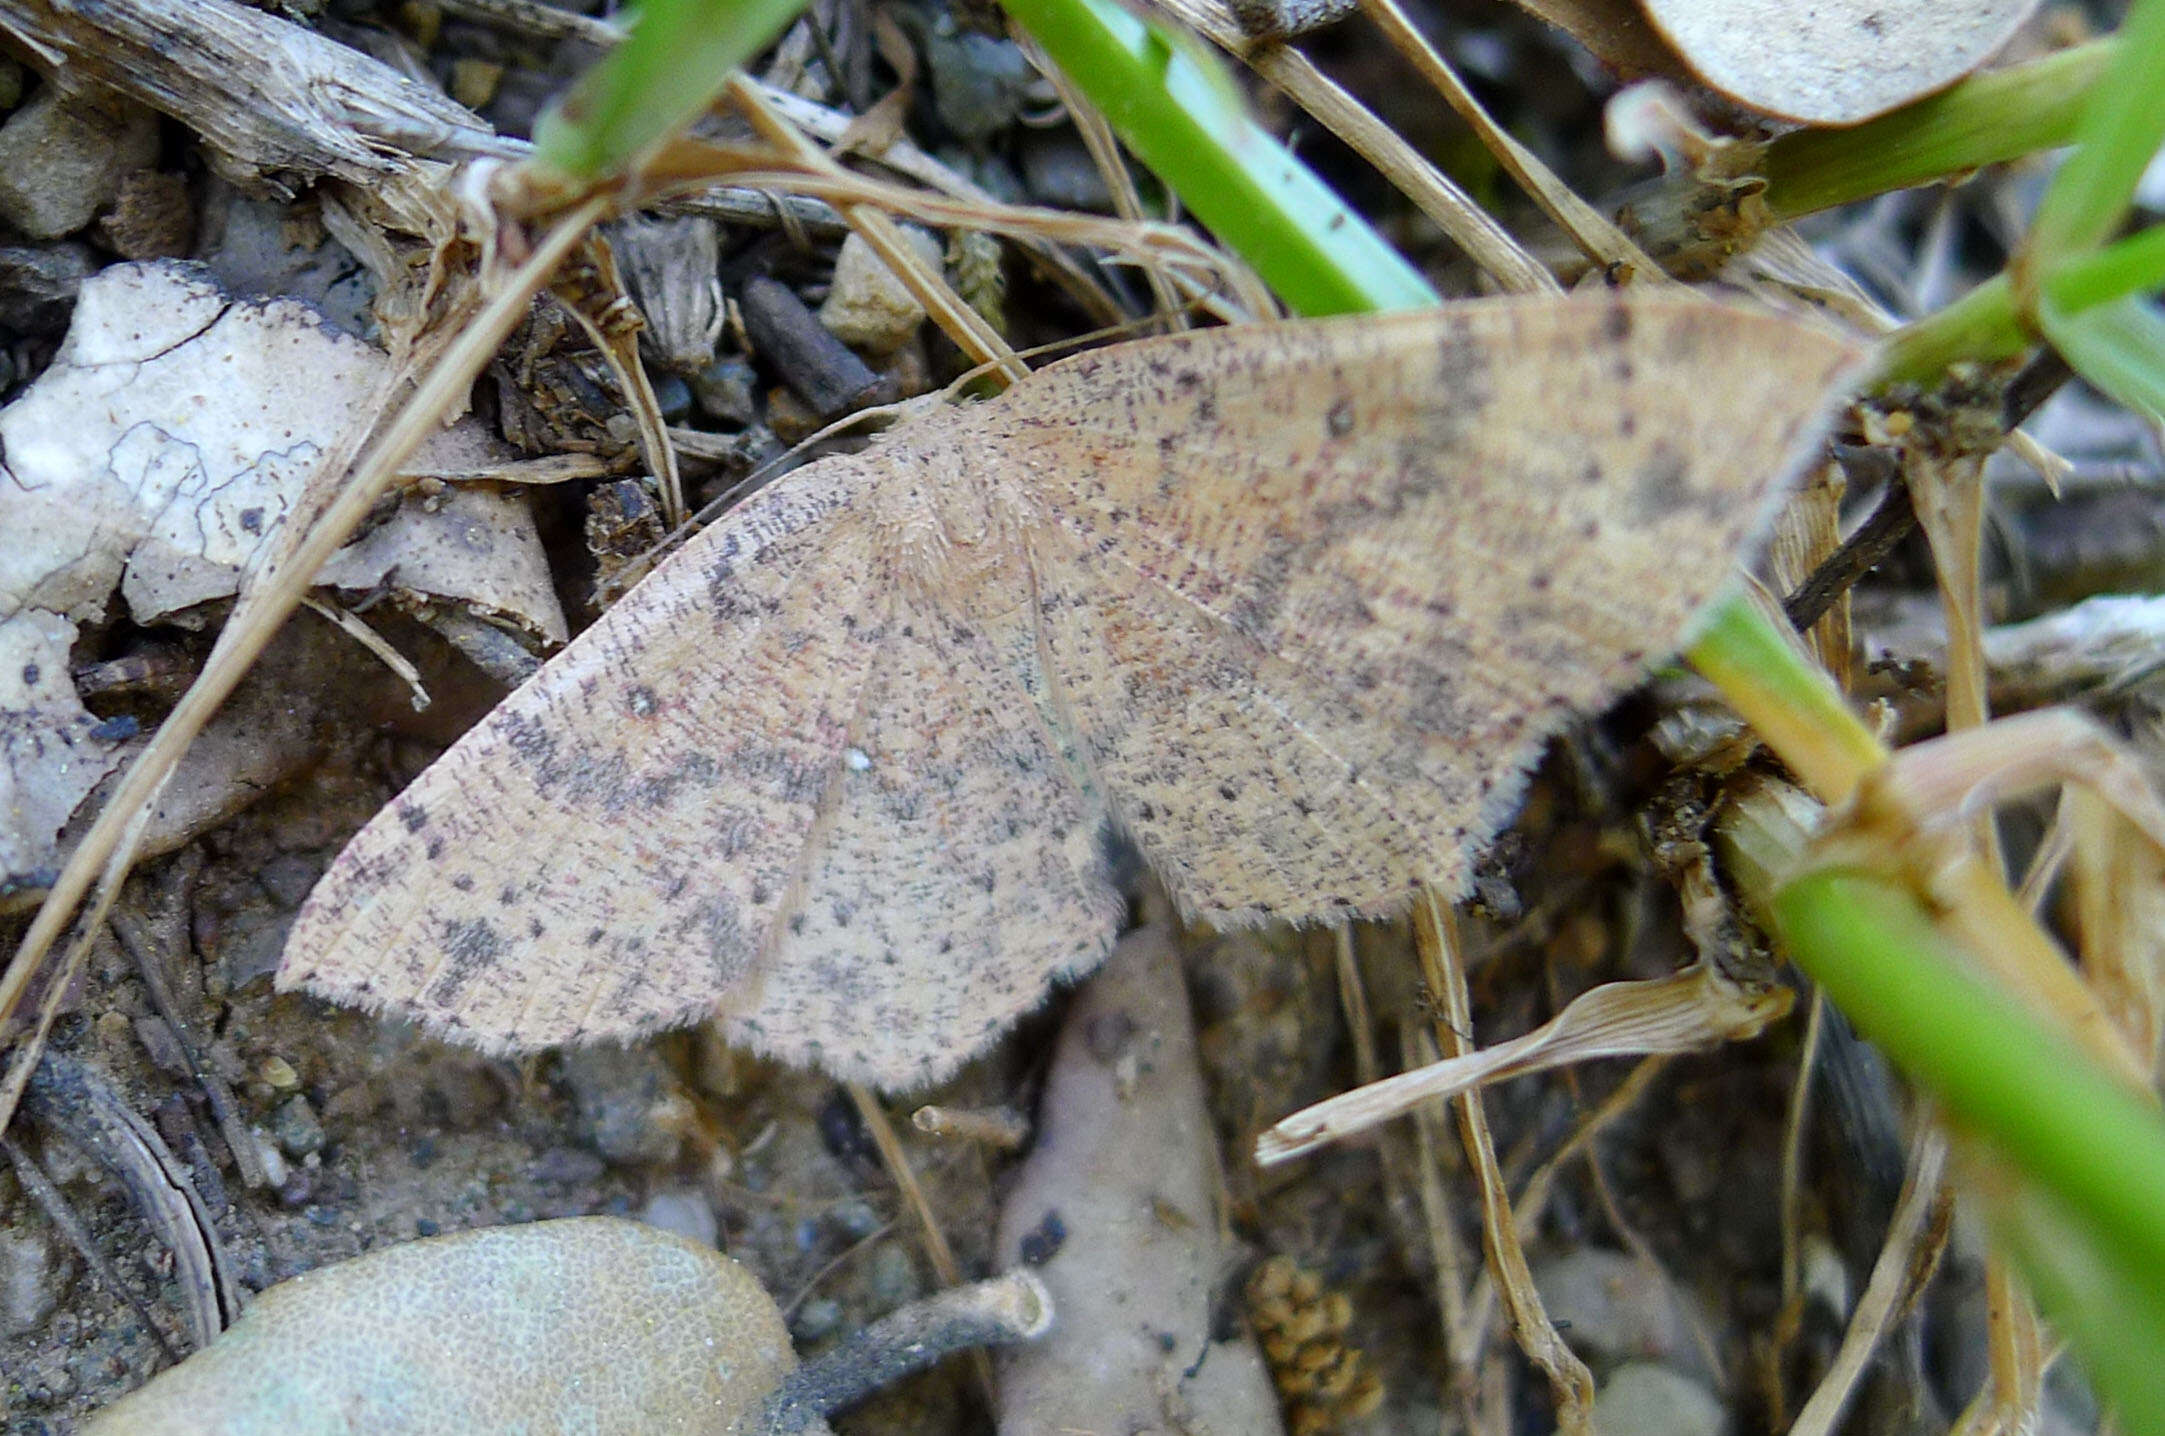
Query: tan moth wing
{"points": [[800, 779], [846, 769], [1314, 619], [602, 852]]}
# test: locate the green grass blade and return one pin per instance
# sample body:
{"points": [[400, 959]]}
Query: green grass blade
{"points": [[1788, 702], [1989, 118], [2119, 347], [1177, 110], [1983, 324], [669, 69], [2115, 1314], [2123, 123], [2094, 1148]]}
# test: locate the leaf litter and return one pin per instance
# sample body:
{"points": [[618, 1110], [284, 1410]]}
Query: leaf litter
{"points": [[173, 433]]}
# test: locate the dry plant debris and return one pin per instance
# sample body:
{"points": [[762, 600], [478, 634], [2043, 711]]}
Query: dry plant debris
{"points": [[1302, 1326], [1688, 1164], [177, 427], [1834, 63], [51, 751], [849, 768], [174, 431]]}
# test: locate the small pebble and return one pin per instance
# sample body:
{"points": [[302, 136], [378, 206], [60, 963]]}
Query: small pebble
{"points": [[161, 1046], [978, 81], [274, 1161], [1059, 172], [296, 1127], [686, 1213], [868, 305], [32, 1281], [297, 1188], [571, 1166], [113, 1028], [857, 1219], [1641, 1398], [422, 21], [816, 1318], [1043, 1241], [727, 390], [152, 217], [625, 1097], [892, 1277], [474, 82], [278, 1074], [62, 162], [673, 397], [1619, 1309], [288, 879], [38, 285]]}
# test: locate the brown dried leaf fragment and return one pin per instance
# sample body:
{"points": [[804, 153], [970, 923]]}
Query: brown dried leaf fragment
{"points": [[1292, 606], [1838, 62]]}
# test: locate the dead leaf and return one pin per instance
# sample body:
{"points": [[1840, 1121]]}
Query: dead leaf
{"points": [[50, 754], [1697, 1007], [176, 428], [1835, 63], [1292, 606]]}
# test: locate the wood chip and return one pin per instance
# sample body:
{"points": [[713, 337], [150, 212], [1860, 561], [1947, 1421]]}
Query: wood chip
{"points": [[1292, 607]]}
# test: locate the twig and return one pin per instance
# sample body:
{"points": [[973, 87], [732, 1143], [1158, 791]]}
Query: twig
{"points": [[1601, 240], [1001, 1128], [75, 1099], [54, 1203], [348, 623], [1896, 1279], [976, 338], [1104, 147], [1435, 940], [1006, 1309], [149, 966], [1859, 554], [1469, 226], [942, 1255]]}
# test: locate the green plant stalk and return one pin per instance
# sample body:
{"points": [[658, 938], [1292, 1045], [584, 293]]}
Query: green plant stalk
{"points": [[1787, 701], [1989, 118], [2123, 122], [2114, 1317], [1985, 325], [666, 72], [2095, 1146], [1182, 116]]}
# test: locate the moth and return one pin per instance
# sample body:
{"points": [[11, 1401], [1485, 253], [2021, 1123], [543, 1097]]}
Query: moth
{"points": [[1291, 608]]}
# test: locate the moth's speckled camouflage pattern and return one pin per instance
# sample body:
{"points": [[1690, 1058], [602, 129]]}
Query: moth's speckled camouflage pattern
{"points": [[1292, 607]]}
